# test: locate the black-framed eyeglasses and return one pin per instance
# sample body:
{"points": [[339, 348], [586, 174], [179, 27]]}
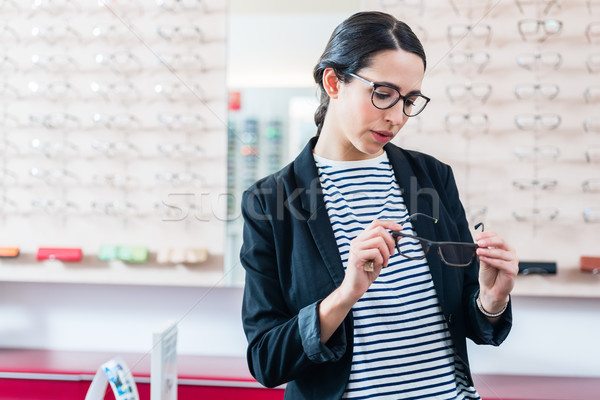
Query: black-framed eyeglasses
{"points": [[385, 96], [454, 254]]}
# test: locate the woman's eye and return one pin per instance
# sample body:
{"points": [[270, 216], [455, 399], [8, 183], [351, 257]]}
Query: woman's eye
{"points": [[382, 95]]}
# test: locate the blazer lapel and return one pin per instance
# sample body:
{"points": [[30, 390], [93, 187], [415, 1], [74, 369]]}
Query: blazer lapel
{"points": [[311, 196], [417, 198]]}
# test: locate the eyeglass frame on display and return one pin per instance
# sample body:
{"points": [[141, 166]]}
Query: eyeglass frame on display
{"points": [[375, 86], [537, 88], [469, 30], [535, 2], [593, 63], [467, 117], [538, 58], [537, 151], [538, 23], [432, 243], [536, 118], [535, 184], [533, 213], [469, 56], [470, 88]]}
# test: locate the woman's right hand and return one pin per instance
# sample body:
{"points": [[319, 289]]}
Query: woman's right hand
{"points": [[375, 244]]}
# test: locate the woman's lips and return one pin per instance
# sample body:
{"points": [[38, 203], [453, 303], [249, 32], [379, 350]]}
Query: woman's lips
{"points": [[382, 136]]}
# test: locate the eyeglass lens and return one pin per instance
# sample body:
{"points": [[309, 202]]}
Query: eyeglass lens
{"points": [[385, 97]]}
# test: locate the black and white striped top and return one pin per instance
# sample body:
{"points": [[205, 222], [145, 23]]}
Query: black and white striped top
{"points": [[402, 346]]}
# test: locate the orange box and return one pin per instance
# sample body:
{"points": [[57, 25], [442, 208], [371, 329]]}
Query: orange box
{"points": [[9, 252], [589, 264]]}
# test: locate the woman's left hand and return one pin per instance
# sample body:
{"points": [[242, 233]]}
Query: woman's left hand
{"points": [[499, 266]]}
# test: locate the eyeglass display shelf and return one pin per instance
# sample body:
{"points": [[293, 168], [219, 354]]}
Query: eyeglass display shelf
{"points": [[90, 270], [567, 282]]}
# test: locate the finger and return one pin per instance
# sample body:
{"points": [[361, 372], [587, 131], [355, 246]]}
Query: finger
{"points": [[371, 256], [508, 267], [387, 224], [379, 231], [380, 244], [494, 241], [496, 253]]}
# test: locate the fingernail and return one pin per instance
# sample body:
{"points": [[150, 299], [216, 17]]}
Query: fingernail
{"points": [[481, 243]]}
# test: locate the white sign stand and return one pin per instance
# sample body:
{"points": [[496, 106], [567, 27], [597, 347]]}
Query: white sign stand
{"points": [[116, 373], [163, 373]]}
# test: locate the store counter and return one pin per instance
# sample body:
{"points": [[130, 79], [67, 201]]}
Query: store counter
{"points": [[66, 375]]}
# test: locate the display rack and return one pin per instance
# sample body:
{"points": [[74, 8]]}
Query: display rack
{"points": [[529, 163], [113, 131]]}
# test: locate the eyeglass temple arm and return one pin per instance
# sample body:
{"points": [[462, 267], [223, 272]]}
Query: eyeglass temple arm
{"points": [[415, 215]]}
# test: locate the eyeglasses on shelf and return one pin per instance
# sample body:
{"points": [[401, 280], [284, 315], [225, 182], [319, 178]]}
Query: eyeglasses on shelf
{"points": [[535, 184], [591, 214], [57, 63], [469, 8], [9, 92], [461, 92], [474, 121], [54, 34], [54, 7], [457, 32], [537, 153], [181, 5], [58, 90], [592, 94], [8, 177], [591, 185], [177, 122], [530, 122], [54, 206], [58, 121], [384, 96], [115, 149], [535, 214], [539, 29], [593, 63], [592, 124], [122, 91], [9, 35], [592, 33], [527, 91], [592, 154], [121, 62], [115, 208], [461, 60], [184, 92], [52, 149], [54, 176], [454, 254], [546, 4], [180, 178], [119, 122], [181, 150], [533, 61]]}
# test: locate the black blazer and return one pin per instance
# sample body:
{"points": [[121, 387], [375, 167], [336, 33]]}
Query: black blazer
{"points": [[292, 262]]}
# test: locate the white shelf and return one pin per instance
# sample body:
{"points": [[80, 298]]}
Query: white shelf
{"points": [[90, 270], [568, 282]]}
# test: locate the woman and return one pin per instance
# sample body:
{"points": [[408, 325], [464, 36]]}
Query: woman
{"points": [[340, 298]]}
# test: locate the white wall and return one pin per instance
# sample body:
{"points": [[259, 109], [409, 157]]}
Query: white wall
{"points": [[551, 336]]}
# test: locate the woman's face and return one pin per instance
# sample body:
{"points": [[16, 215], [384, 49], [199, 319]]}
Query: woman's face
{"points": [[362, 129]]}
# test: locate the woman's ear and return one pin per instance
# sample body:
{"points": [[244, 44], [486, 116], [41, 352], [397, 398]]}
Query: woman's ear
{"points": [[331, 83]]}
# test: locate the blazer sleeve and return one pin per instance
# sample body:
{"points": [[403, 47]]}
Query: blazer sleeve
{"points": [[282, 344], [478, 328]]}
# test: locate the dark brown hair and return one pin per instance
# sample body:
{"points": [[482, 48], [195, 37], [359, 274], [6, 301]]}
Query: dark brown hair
{"points": [[353, 44]]}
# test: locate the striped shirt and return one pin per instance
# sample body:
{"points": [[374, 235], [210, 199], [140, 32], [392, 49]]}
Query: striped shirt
{"points": [[402, 345]]}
